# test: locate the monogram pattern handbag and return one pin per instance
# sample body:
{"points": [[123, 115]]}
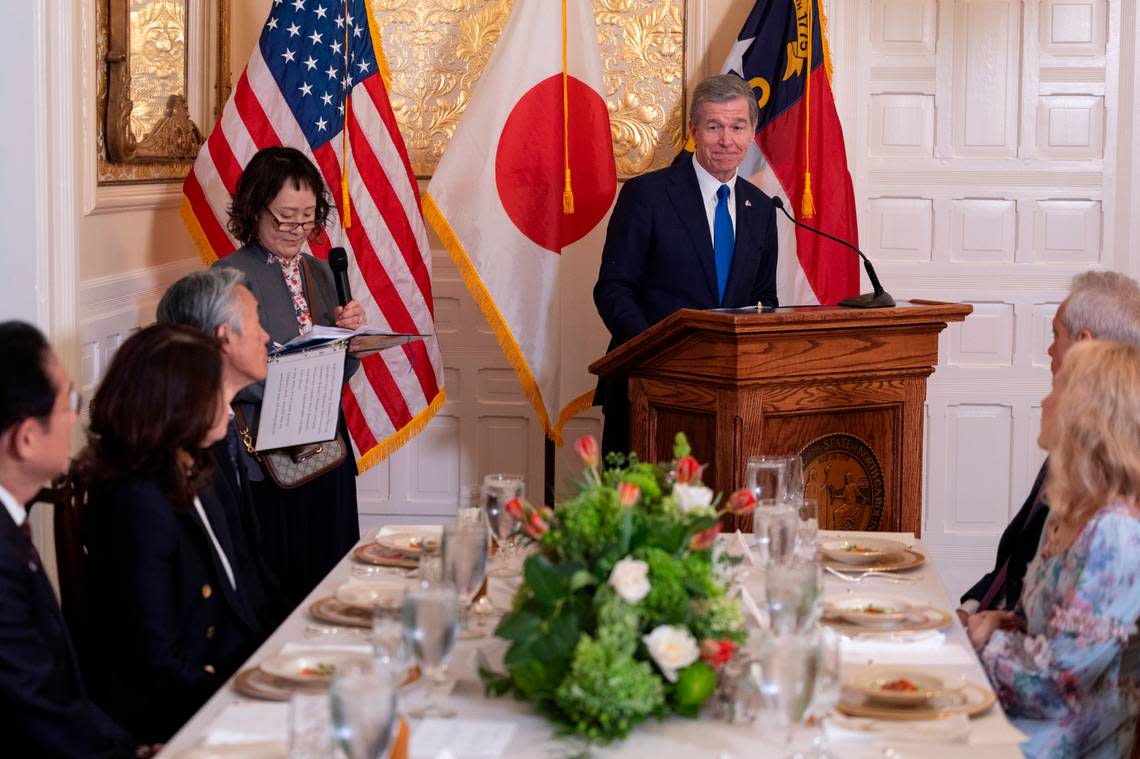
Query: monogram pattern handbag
{"points": [[295, 465]]}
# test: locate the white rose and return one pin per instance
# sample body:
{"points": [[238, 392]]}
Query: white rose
{"points": [[673, 648], [689, 497], [630, 578]]}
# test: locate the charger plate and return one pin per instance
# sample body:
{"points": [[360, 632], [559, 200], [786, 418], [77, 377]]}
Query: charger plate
{"points": [[383, 556], [908, 559], [335, 612], [970, 700], [920, 619], [256, 683]]}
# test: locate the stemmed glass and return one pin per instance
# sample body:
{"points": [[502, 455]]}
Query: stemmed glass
{"points": [[430, 616], [765, 476], [464, 552], [498, 491], [363, 706], [792, 593], [785, 673], [794, 479], [828, 686], [806, 540]]}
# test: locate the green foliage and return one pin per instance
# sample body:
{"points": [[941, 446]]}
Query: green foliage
{"points": [[576, 649], [681, 446]]}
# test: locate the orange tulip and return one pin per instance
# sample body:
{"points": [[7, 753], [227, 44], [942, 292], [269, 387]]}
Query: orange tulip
{"points": [[716, 653], [687, 470], [704, 539], [587, 449], [743, 501], [628, 494], [517, 508]]}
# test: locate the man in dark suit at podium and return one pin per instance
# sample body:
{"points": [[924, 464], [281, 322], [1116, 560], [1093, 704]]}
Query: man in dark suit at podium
{"points": [[693, 235], [44, 707]]}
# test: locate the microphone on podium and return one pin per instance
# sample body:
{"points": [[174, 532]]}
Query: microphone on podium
{"points": [[880, 298], [338, 262]]}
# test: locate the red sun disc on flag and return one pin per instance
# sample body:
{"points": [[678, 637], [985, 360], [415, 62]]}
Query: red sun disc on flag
{"points": [[529, 170]]}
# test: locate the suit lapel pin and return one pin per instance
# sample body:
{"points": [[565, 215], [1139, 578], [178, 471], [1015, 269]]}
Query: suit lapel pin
{"points": [[748, 204]]}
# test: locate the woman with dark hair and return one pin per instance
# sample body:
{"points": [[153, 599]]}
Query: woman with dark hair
{"points": [[175, 625], [279, 205]]}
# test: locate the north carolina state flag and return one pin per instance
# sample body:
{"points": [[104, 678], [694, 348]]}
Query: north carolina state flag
{"points": [[529, 170]]}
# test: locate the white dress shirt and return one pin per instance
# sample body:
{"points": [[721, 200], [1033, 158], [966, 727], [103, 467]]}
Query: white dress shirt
{"points": [[15, 508], [213, 539], [709, 185]]}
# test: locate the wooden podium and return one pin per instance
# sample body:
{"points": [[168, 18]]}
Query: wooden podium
{"points": [[842, 387]]}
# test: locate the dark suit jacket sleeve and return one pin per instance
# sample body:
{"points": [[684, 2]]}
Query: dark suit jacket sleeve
{"points": [[764, 288], [142, 524], [34, 714], [629, 239]]}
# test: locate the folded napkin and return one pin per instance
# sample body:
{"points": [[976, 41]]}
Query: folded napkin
{"points": [[250, 722], [953, 729], [928, 647], [460, 739]]}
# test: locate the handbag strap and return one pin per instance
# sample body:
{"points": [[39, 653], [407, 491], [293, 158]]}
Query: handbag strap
{"points": [[244, 432], [310, 292]]}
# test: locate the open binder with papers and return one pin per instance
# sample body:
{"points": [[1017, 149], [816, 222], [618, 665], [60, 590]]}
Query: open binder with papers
{"points": [[301, 402]]}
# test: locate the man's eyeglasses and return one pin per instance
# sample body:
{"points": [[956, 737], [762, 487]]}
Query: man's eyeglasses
{"points": [[292, 226]]}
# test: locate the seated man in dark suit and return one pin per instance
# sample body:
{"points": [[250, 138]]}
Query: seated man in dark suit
{"points": [[217, 302], [693, 235], [1102, 305], [44, 707]]}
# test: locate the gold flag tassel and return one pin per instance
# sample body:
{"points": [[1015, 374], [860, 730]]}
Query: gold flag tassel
{"points": [[345, 201], [807, 203], [567, 189]]}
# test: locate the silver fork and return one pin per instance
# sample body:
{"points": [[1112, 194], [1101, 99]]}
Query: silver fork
{"points": [[864, 575]]}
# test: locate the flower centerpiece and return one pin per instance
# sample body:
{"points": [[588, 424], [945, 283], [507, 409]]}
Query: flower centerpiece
{"points": [[621, 614]]}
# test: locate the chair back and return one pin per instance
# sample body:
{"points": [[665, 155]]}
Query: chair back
{"points": [[69, 498]]}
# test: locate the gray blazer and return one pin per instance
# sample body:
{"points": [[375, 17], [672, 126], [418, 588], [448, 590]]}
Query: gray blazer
{"points": [[275, 309]]}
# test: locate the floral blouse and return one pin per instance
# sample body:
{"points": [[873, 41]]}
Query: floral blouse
{"points": [[1070, 681], [291, 270]]}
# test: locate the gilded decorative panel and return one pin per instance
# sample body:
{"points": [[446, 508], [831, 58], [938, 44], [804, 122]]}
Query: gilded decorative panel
{"points": [[437, 49]]}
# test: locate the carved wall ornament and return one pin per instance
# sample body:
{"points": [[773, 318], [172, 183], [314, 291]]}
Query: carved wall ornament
{"points": [[437, 49], [145, 130]]}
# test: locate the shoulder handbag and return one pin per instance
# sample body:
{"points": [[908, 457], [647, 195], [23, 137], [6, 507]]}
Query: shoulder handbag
{"points": [[295, 465]]}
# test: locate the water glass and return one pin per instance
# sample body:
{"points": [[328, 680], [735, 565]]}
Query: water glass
{"points": [[794, 479], [766, 476], [470, 509], [828, 685], [784, 672], [498, 490], [363, 707], [390, 651], [807, 538], [792, 592], [776, 523], [464, 553], [430, 617]]}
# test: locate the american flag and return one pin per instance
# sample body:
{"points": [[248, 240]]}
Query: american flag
{"points": [[314, 83]]}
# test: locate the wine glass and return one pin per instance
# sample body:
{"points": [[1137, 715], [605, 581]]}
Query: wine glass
{"points": [[363, 707], [430, 616], [807, 538], [794, 479], [828, 686], [776, 523], [785, 672], [499, 490], [792, 593], [464, 552]]}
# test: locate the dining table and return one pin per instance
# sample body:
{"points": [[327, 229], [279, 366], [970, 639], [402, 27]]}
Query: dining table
{"points": [[231, 725]]}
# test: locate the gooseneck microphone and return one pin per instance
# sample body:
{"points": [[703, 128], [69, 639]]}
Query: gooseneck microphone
{"points": [[338, 262], [880, 298]]}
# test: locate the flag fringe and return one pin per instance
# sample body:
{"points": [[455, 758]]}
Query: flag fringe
{"points": [[194, 227], [434, 216], [400, 437], [826, 45], [573, 408], [378, 48]]}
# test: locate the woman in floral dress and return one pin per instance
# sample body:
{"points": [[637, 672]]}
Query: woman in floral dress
{"points": [[1065, 664]]}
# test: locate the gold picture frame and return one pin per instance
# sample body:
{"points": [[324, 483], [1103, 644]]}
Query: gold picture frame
{"points": [[146, 72]]}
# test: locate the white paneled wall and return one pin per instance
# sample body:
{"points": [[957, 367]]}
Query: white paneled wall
{"points": [[1004, 113]]}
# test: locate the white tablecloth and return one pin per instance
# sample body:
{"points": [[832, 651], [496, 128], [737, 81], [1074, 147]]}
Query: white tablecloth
{"points": [[990, 735]]}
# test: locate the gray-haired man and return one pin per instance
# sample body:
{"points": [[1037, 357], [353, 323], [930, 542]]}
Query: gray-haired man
{"points": [[1102, 305], [217, 302]]}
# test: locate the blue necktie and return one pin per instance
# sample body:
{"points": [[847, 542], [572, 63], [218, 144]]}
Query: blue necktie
{"points": [[724, 240]]}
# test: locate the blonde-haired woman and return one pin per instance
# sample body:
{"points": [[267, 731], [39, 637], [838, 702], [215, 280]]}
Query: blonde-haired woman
{"points": [[1065, 663]]}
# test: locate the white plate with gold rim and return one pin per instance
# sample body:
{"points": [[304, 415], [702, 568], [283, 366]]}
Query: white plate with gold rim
{"points": [[871, 609], [893, 686], [861, 550], [411, 538], [386, 592], [314, 667]]}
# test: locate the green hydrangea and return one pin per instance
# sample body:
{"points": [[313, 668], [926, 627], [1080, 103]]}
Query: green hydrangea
{"points": [[720, 618], [607, 691], [586, 524], [668, 599], [619, 623]]}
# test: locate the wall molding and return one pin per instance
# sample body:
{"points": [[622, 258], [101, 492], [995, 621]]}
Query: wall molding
{"points": [[134, 197], [130, 291]]}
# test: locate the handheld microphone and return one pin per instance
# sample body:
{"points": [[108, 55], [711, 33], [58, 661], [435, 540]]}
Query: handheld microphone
{"points": [[338, 262], [880, 298]]}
